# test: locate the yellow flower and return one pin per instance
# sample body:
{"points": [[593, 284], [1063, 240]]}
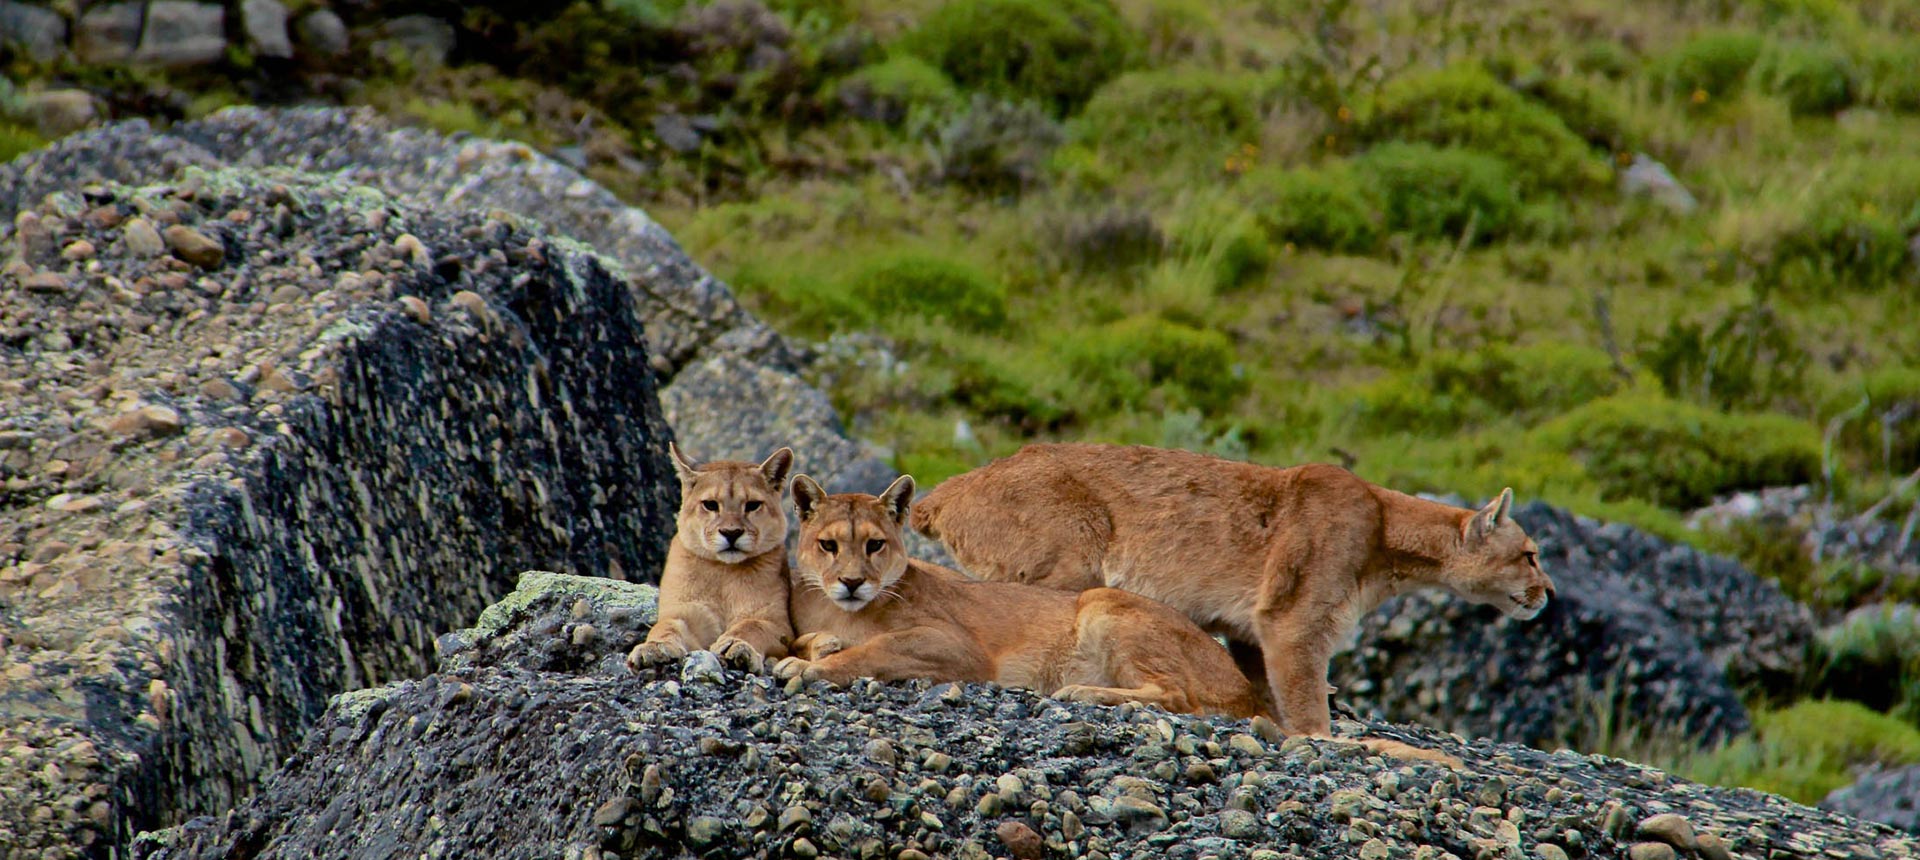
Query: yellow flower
{"points": [[1330, 140], [1699, 97], [1344, 114]]}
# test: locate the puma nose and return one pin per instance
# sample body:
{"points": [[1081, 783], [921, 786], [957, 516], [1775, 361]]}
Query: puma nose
{"points": [[852, 585], [732, 535]]}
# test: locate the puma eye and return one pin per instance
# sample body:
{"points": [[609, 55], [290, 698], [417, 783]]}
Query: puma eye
{"points": [[875, 545], [710, 505], [829, 547], [753, 506]]}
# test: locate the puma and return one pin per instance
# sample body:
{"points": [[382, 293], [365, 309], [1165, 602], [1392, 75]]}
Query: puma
{"points": [[863, 608], [1285, 560], [724, 587]]}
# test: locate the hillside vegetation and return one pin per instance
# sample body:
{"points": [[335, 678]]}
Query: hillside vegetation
{"points": [[1403, 236]]}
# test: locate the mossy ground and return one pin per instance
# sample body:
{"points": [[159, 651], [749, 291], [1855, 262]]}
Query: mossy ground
{"points": [[1382, 234]]}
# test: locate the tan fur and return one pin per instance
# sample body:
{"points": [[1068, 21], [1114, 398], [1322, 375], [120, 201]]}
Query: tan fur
{"points": [[864, 609], [1287, 560], [724, 588]]}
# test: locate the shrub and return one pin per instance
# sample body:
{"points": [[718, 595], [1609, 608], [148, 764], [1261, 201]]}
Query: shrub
{"points": [[1010, 386], [1465, 106], [888, 92], [1714, 64], [1813, 78], [907, 284], [1592, 110], [1056, 52], [1329, 209], [1149, 116], [1889, 77], [1224, 238], [1805, 751], [1888, 431], [1436, 193], [995, 146], [1451, 390], [1678, 454], [1148, 362], [1117, 237], [802, 303], [1746, 358], [1874, 657], [1176, 30], [1847, 236], [1605, 57]]}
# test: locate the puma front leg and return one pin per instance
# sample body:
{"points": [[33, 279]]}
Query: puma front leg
{"points": [[933, 654], [750, 641], [670, 639], [1296, 657]]}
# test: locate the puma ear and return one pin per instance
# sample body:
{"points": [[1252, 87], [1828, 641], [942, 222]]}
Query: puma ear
{"points": [[1489, 518], [807, 496], [776, 465], [898, 497], [682, 466]]}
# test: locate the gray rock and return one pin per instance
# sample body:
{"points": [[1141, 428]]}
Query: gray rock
{"points": [[57, 113], [1648, 178], [703, 667], [40, 33], [676, 132], [108, 34], [1889, 796], [180, 33], [421, 40], [266, 26], [705, 404], [322, 34]]}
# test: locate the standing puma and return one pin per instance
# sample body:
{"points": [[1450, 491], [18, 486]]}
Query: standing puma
{"points": [[864, 609], [1285, 559], [724, 588]]}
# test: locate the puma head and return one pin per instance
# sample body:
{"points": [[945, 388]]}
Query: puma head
{"points": [[1497, 564], [850, 545], [730, 511]]}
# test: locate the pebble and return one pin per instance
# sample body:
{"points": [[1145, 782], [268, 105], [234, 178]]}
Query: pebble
{"points": [[614, 811], [1671, 829], [803, 848], [1246, 745], [794, 817], [194, 246], [880, 751], [142, 239], [1549, 851], [1138, 814], [703, 667], [1241, 825], [1021, 840], [416, 308], [1651, 851], [1712, 847], [937, 762], [80, 249], [704, 830], [46, 282], [1373, 849]]}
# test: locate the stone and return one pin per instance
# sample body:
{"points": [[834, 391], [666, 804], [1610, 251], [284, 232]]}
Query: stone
{"points": [[322, 34], [265, 22], [1669, 828], [703, 667], [422, 40], [613, 812], [60, 112], [1645, 177], [1714, 848], [177, 33], [38, 32], [794, 818], [108, 34], [45, 282], [1651, 851], [1137, 815], [1890, 796], [705, 830], [880, 751], [142, 238], [152, 420], [77, 251], [1241, 825], [1021, 840], [1549, 851], [1374, 849], [194, 246]]}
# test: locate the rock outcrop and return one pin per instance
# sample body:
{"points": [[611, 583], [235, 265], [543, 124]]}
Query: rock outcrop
{"points": [[698, 760], [266, 434], [1641, 631], [1887, 796]]}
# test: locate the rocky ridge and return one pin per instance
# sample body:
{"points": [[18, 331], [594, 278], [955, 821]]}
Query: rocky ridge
{"points": [[533, 736]]}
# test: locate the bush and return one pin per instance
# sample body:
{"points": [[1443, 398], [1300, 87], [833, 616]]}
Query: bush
{"points": [[1223, 238], [1452, 390], [1117, 237], [1465, 106], [890, 91], [1436, 193], [1888, 432], [1852, 234], [1178, 30], [1889, 77], [996, 146], [1146, 362], [1055, 52], [1806, 751], [1678, 454], [1713, 64], [1149, 116], [1874, 657], [1747, 358], [908, 284], [1593, 111], [1015, 387], [1813, 78], [1328, 209]]}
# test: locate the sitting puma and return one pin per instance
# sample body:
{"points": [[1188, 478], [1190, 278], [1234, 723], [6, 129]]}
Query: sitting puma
{"points": [[865, 609], [724, 588], [1285, 559]]}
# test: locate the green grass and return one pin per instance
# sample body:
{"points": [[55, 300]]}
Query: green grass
{"points": [[1807, 750]]}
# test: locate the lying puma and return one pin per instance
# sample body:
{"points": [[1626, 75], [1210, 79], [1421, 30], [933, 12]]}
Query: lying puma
{"points": [[1285, 559], [864, 609], [724, 588]]}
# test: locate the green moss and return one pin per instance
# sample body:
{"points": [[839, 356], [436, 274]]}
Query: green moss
{"points": [[537, 584], [905, 84], [1438, 193], [1056, 52], [1677, 454], [1145, 362], [1813, 77], [1713, 65], [1805, 751], [1465, 106], [1330, 208], [1149, 116], [928, 285]]}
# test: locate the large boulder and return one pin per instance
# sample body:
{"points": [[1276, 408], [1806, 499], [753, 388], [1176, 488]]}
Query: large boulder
{"points": [[584, 759], [266, 434], [1641, 633], [1887, 796]]}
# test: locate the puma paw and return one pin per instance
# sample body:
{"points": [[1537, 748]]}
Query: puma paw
{"points": [[817, 645], [1086, 694], [739, 654], [648, 654], [790, 667]]}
